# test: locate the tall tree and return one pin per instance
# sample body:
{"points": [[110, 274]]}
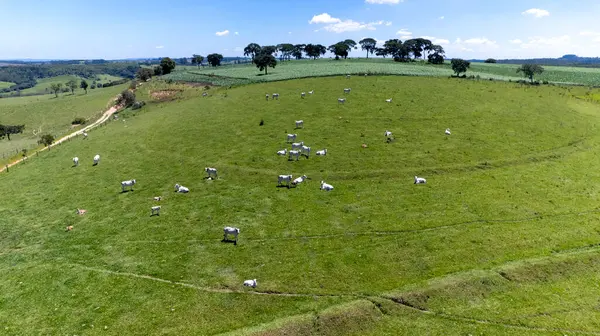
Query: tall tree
{"points": [[56, 87], [530, 70], [214, 59], [272, 50], [381, 52], [436, 55], [298, 50], [46, 139], [251, 50], [397, 49], [368, 44], [285, 50], [7, 130], [197, 60], [459, 65], [84, 85], [265, 59], [71, 85], [167, 65], [339, 49], [143, 74]]}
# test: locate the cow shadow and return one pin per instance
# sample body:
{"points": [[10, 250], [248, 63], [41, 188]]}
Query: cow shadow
{"points": [[229, 241], [95, 164], [126, 191]]}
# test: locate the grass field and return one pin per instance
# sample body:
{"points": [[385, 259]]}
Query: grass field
{"points": [[243, 74], [502, 240], [43, 85], [47, 114], [4, 85]]}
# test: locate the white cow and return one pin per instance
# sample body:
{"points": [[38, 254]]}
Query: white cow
{"points": [[291, 137], [387, 134], [204, 94], [276, 96], [294, 153], [347, 76], [282, 152], [341, 100], [181, 189], [420, 180], [155, 210], [267, 96], [388, 100], [311, 91], [287, 179], [250, 283], [347, 90], [128, 183], [96, 159], [326, 187], [85, 135], [76, 161], [299, 180], [157, 198], [297, 145], [447, 131], [211, 171], [302, 94], [322, 152], [299, 123], [306, 151], [228, 230]]}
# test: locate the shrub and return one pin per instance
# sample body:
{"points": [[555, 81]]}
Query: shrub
{"points": [[126, 98], [78, 121], [262, 122], [46, 140]]}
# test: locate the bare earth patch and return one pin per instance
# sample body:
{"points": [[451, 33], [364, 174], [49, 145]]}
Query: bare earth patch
{"points": [[164, 95]]}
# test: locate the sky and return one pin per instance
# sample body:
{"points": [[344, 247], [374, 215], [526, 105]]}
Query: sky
{"points": [[471, 29]]}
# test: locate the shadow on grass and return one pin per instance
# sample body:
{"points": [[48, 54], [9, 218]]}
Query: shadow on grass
{"points": [[229, 241]]}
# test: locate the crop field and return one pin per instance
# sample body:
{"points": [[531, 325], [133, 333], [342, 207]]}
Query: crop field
{"points": [[47, 114], [243, 74], [501, 240], [4, 85]]}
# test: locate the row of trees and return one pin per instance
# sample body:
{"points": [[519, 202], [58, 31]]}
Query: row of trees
{"points": [[71, 85], [528, 70]]}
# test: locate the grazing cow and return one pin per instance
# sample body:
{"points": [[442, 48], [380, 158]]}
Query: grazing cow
{"points": [[287, 179], [322, 152], [276, 96], [155, 210], [282, 152], [388, 100], [297, 145], [420, 180], [306, 151], [211, 171], [341, 100], [302, 94], [387, 134], [85, 135], [76, 161], [228, 230], [250, 283], [299, 180], [181, 189], [70, 228], [299, 123], [157, 198], [347, 76], [294, 153], [128, 183], [326, 187], [81, 212], [267, 95], [204, 94], [291, 137], [96, 159], [311, 91], [447, 131], [347, 90]]}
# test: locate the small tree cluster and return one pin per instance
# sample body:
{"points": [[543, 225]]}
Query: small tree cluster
{"points": [[126, 98]]}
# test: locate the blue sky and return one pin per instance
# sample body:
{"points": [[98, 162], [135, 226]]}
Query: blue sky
{"points": [[122, 29]]}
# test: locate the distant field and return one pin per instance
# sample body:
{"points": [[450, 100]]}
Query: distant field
{"points": [[43, 85], [4, 85], [47, 114], [243, 74]]}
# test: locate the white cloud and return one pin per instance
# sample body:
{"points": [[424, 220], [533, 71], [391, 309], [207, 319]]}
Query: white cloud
{"points": [[159, 47], [222, 33], [538, 13], [389, 23], [384, 2], [290, 33], [238, 49], [481, 41], [236, 33], [515, 41], [441, 17], [440, 41], [589, 33], [403, 32], [324, 18], [351, 25], [537, 42]]}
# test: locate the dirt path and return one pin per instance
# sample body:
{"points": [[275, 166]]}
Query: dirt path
{"points": [[102, 119]]}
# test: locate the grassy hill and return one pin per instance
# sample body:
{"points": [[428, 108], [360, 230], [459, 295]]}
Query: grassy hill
{"points": [[47, 114], [248, 73], [501, 240], [43, 85], [5, 84]]}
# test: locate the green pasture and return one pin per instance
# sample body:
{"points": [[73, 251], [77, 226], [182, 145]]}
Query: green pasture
{"points": [[4, 85]]}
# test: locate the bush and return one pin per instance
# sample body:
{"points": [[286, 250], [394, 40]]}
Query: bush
{"points": [[46, 140], [99, 85], [93, 86], [126, 98], [490, 60], [78, 121], [545, 82], [138, 105]]}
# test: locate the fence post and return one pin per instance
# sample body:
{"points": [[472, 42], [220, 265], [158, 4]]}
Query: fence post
{"points": [[7, 168]]}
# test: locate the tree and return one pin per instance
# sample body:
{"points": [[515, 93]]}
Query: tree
{"points": [[7, 130], [350, 43], [490, 60], [315, 50], [397, 49], [459, 65], [381, 52], [183, 61], [530, 70], [126, 98], [271, 50], [197, 59], [436, 55], [265, 59], [157, 71], [167, 65], [251, 50], [71, 85], [286, 50], [84, 85], [143, 74], [56, 87], [339, 49], [368, 44], [46, 140], [298, 50], [215, 59]]}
